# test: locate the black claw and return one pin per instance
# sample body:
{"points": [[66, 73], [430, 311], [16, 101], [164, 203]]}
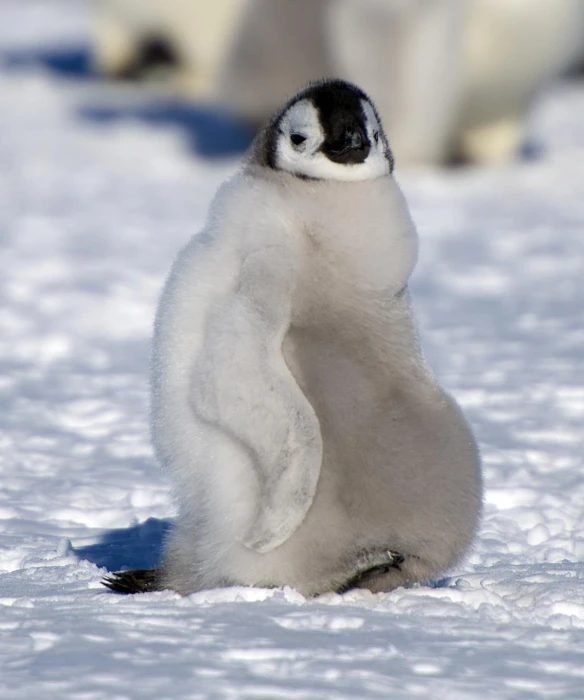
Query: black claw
{"points": [[135, 581], [394, 561]]}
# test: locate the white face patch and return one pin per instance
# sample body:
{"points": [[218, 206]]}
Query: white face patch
{"points": [[301, 136], [373, 127]]}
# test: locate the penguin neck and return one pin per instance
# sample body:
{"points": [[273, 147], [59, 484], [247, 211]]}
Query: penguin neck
{"points": [[359, 248], [357, 235], [356, 247]]}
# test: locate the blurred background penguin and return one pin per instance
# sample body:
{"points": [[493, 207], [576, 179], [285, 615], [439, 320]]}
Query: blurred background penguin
{"points": [[454, 80], [513, 50], [179, 44]]}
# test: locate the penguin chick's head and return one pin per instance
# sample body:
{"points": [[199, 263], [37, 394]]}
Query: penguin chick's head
{"points": [[328, 131]]}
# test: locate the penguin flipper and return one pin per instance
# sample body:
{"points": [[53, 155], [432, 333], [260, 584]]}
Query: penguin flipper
{"points": [[243, 386], [134, 581]]}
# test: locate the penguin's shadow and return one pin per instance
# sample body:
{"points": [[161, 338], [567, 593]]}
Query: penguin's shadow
{"points": [[140, 547], [73, 62], [209, 130], [136, 547]]}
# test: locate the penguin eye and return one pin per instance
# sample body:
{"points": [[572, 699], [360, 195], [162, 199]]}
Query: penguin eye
{"points": [[376, 136], [297, 139]]}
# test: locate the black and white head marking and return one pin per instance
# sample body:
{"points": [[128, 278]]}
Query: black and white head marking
{"points": [[329, 131]]}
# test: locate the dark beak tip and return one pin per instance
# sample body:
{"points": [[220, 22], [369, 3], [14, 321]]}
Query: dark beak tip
{"points": [[351, 149]]}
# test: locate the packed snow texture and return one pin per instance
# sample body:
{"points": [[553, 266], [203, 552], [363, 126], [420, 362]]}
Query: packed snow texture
{"points": [[99, 187]]}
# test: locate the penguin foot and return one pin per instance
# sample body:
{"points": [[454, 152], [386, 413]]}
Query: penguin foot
{"points": [[392, 560], [134, 581]]}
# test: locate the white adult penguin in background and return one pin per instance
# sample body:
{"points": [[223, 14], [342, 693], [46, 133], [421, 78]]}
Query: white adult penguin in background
{"points": [[309, 442], [453, 79], [179, 43], [513, 50], [406, 54]]}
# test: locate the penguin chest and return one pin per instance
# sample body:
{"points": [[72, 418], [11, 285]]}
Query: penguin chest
{"points": [[386, 433], [342, 386]]}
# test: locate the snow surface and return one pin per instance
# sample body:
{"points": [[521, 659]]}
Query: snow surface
{"points": [[99, 187]]}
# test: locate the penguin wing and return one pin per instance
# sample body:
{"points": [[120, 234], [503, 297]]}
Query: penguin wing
{"points": [[243, 386]]}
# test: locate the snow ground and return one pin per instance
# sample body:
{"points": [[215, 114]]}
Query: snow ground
{"points": [[99, 187]]}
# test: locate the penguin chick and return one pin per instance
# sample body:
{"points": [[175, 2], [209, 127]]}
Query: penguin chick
{"points": [[309, 442]]}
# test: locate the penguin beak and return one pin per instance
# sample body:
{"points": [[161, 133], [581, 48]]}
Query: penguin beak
{"points": [[352, 149]]}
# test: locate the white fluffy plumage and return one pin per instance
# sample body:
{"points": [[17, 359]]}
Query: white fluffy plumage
{"points": [[309, 442]]}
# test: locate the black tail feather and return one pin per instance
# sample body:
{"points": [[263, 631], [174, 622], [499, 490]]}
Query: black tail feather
{"points": [[134, 581]]}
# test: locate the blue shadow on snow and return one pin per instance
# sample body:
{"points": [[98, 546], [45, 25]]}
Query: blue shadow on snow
{"points": [[210, 131], [67, 62], [136, 547]]}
